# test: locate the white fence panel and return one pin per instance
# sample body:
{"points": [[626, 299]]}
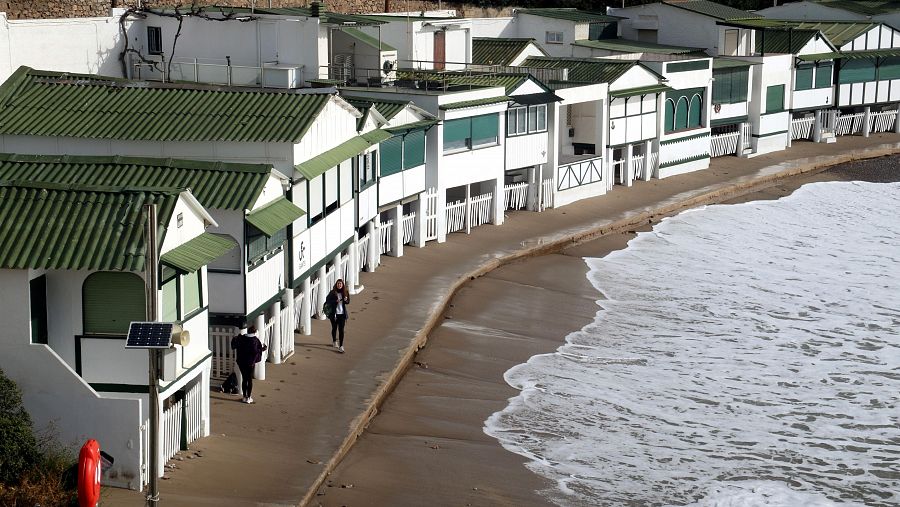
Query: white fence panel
{"points": [[431, 214], [287, 334], [266, 337], [409, 227], [637, 167], [345, 267], [330, 278], [547, 194], [220, 345], [883, 121], [363, 252], [193, 412], [314, 297], [746, 137], [170, 431], [618, 170], [298, 312], [516, 195], [848, 124], [801, 128], [385, 231], [481, 209], [723, 144], [456, 216]]}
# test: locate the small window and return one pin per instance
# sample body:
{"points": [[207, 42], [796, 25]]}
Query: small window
{"points": [[170, 300], [554, 38], [38, 292], [154, 40], [192, 294], [542, 117], [731, 42], [823, 75], [775, 99], [803, 79]]}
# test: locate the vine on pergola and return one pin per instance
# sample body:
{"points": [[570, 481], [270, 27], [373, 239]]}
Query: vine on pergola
{"points": [[179, 13]]}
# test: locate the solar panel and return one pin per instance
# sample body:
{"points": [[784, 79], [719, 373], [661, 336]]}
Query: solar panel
{"points": [[149, 335]]}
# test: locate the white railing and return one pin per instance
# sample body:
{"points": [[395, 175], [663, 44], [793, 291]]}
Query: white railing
{"points": [[618, 171], [723, 144], [481, 209], [516, 195], [220, 71], [637, 167], [456, 216], [362, 252], [409, 227], [345, 267], [801, 128], [170, 431], [220, 345], [193, 412], [746, 138], [266, 337], [883, 121], [431, 214], [298, 312], [287, 334], [651, 165], [547, 194], [385, 231], [330, 278], [314, 296], [848, 124], [580, 172]]}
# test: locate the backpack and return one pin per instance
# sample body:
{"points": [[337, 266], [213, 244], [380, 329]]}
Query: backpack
{"points": [[328, 309]]}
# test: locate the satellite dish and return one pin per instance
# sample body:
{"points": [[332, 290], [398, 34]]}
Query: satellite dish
{"points": [[387, 66]]}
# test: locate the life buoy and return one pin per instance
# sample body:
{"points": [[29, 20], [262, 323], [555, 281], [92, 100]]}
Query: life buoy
{"points": [[89, 474]]}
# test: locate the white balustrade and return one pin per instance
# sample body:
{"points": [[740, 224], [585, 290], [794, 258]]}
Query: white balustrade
{"points": [[801, 128], [848, 124], [637, 167], [409, 227], [516, 195], [723, 144], [456, 216], [882, 121], [480, 209], [385, 232]]}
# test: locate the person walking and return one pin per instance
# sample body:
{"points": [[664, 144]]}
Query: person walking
{"points": [[336, 310], [248, 352]]}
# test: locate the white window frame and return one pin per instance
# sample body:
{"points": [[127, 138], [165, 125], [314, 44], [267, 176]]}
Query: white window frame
{"points": [[554, 37], [515, 128]]}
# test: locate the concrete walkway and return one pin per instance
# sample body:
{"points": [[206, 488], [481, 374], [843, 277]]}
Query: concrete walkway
{"points": [[310, 410]]}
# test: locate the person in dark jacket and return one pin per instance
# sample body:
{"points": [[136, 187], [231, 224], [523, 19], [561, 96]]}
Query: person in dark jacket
{"points": [[248, 350], [336, 310]]}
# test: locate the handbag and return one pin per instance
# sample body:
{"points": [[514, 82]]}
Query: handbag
{"points": [[328, 309]]}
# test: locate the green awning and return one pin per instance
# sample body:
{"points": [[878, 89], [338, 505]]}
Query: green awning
{"points": [[416, 125], [331, 158], [274, 216], [475, 103], [731, 63], [198, 252], [641, 90], [852, 55]]}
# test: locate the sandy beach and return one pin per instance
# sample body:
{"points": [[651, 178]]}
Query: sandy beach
{"points": [[427, 446]]}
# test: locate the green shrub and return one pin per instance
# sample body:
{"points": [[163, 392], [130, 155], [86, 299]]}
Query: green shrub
{"points": [[18, 446]]}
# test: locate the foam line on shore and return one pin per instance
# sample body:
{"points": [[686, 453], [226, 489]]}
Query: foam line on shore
{"points": [[765, 177]]}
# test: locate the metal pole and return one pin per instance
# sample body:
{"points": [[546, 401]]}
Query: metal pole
{"points": [[150, 286]]}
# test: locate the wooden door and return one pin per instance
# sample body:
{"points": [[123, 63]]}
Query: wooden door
{"points": [[440, 50]]}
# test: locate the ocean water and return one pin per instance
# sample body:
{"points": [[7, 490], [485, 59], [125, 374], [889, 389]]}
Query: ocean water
{"points": [[744, 355]]}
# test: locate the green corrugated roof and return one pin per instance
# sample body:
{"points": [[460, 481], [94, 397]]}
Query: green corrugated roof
{"points": [[575, 15], [411, 126], [640, 90], [214, 184], [711, 9], [51, 226], [852, 55], [387, 108], [367, 39], [583, 70], [730, 63], [837, 32], [325, 161], [41, 103], [866, 8], [198, 252], [499, 51], [783, 41], [475, 103], [274, 216], [633, 46]]}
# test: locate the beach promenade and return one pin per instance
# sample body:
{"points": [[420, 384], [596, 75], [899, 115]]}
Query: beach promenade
{"points": [[310, 410]]}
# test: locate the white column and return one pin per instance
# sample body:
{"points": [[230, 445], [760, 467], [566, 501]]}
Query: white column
{"points": [[305, 310], [275, 340], [259, 370], [867, 117], [160, 463], [610, 169], [626, 172], [468, 208], [897, 121], [648, 151], [397, 232], [323, 291], [204, 400], [441, 215], [817, 127], [499, 202], [353, 282], [287, 300], [531, 203], [374, 242], [418, 207]]}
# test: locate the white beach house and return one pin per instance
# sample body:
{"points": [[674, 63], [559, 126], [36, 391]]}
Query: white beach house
{"points": [[72, 279]]}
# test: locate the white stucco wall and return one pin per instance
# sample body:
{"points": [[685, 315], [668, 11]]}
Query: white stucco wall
{"points": [[494, 27], [771, 130], [333, 126], [83, 45], [536, 27], [670, 23]]}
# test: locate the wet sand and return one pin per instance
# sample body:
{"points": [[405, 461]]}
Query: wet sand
{"points": [[427, 446]]}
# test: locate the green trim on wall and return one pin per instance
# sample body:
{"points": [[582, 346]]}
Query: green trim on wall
{"points": [[684, 161], [671, 141], [688, 66]]}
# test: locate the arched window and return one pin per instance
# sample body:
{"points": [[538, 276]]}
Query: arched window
{"points": [[681, 113], [110, 301], [695, 112], [670, 115]]}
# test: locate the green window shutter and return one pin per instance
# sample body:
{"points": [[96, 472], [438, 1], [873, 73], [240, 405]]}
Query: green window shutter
{"points": [[191, 292], [681, 113], [256, 246], [823, 75], [695, 113], [414, 149], [457, 130], [38, 295], [111, 300], [804, 77], [670, 115], [170, 301], [740, 78], [722, 86], [775, 99], [484, 129], [890, 68], [857, 71], [391, 155]]}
